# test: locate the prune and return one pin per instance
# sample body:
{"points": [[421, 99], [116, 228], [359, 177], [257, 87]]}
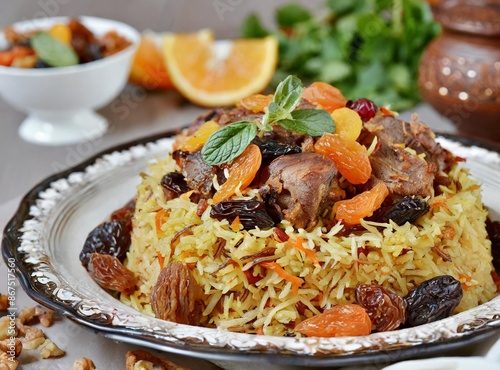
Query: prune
{"points": [[493, 229], [433, 300], [271, 149], [112, 237], [386, 309], [406, 210], [175, 182], [177, 296], [252, 213], [109, 273]]}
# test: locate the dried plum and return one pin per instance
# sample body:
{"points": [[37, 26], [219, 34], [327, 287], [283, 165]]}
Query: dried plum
{"points": [[386, 309], [252, 213], [175, 182], [433, 300], [271, 149], [406, 210], [124, 213], [493, 229], [112, 237]]}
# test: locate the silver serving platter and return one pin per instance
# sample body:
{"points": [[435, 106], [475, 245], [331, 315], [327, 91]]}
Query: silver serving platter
{"points": [[47, 232]]}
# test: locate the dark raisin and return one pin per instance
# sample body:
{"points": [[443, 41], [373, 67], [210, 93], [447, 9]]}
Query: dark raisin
{"points": [[252, 213], [109, 273], [365, 108], [406, 210], [41, 64], [124, 213], [111, 238], [433, 300], [493, 229], [175, 181], [271, 149], [94, 52], [386, 309]]}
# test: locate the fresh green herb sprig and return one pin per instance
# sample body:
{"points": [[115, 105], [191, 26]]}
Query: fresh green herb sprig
{"points": [[366, 48], [52, 51], [230, 141]]}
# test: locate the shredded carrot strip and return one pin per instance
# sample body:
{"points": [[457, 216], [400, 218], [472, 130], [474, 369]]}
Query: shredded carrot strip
{"points": [[296, 281], [159, 219], [473, 187], [496, 279], [235, 225], [299, 244], [161, 259]]}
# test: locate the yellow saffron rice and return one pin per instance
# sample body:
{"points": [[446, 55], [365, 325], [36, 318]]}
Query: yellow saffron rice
{"points": [[450, 239]]}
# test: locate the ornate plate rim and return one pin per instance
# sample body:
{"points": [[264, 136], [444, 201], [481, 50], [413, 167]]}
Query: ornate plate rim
{"points": [[321, 352]]}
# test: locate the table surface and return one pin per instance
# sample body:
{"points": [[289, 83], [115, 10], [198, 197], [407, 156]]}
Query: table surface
{"points": [[132, 115]]}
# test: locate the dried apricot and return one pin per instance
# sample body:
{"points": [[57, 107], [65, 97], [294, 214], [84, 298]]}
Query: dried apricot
{"points": [[256, 103], [351, 211], [338, 321], [350, 157], [348, 123], [241, 173], [200, 137], [324, 95]]}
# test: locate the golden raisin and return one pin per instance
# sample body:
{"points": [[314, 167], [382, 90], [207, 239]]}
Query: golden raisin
{"points": [[348, 123], [109, 273]]}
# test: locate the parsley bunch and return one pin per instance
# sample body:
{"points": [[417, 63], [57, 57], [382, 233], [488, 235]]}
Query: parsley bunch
{"points": [[366, 48], [230, 141]]}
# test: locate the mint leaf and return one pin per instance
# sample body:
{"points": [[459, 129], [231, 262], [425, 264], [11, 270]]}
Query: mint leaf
{"points": [[228, 142], [52, 51], [314, 122], [273, 114], [289, 93]]}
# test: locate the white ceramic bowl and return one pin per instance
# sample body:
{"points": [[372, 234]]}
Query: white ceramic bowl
{"points": [[60, 102]]}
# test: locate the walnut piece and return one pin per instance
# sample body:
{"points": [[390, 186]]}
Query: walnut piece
{"points": [[49, 349], [33, 343], [10, 344], [6, 330], [84, 364], [43, 314], [6, 362], [4, 302], [142, 360]]}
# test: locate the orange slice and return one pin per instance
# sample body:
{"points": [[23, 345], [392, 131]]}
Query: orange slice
{"points": [[148, 68], [217, 73]]}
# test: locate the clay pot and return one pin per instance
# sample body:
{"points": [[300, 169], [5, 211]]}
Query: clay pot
{"points": [[460, 71]]}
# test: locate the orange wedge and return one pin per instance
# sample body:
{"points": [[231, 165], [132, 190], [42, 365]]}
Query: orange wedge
{"points": [[217, 73], [148, 68]]}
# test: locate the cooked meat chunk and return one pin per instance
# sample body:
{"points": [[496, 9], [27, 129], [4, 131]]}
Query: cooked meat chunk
{"points": [[402, 172], [177, 296], [230, 115], [425, 143], [301, 185], [415, 135], [198, 174]]}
